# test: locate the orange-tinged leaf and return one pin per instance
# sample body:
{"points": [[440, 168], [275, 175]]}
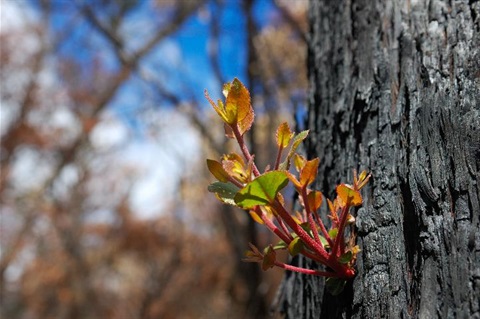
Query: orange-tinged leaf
{"points": [[234, 165], [348, 195], [284, 135], [238, 101], [293, 179], [309, 172], [226, 116], [314, 200], [217, 170], [355, 250]]}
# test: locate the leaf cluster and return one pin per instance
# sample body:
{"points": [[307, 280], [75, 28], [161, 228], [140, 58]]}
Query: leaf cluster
{"points": [[240, 183]]}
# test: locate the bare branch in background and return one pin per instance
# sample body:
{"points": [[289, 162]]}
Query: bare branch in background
{"points": [[75, 244]]}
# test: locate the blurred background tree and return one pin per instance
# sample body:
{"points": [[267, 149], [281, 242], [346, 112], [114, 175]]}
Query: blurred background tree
{"points": [[104, 130]]}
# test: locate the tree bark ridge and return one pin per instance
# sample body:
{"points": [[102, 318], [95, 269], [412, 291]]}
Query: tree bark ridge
{"points": [[395, 89]]}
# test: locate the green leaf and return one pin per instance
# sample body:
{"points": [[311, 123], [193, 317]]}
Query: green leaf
{"points": [[262, 190], [295, 246], [280, 245], [297, 140], [333, 233], [324, 241], [225, 191], [345, 258], [335, 285]]}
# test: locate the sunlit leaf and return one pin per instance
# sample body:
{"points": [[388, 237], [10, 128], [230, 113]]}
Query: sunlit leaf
{"points": [[234, 165], [262, 190], [348, 195], [237, 109], [228, 116], [217, 170], [295, 246], [284, 135], [309, 172], [224, 191], [238, 99], [297, 140], [299, 162], [294, 180], [314, 200]]}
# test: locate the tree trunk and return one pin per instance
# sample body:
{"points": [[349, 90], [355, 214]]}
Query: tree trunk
{"points": [[395, 89]]}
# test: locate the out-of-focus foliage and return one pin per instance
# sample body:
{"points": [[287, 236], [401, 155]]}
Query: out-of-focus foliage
{"points": [[103, 209]]}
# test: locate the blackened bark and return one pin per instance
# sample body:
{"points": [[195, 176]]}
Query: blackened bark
{"points": [[395, 89]]}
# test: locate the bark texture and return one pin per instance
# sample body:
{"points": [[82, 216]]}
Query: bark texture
{"points": [[395, 89]]}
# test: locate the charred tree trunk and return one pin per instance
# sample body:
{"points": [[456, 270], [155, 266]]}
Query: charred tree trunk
{"points": [[395, 89]]}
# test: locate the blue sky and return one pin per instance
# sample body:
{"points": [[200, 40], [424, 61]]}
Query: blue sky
{"points": [[192, 67], [180, 62]]}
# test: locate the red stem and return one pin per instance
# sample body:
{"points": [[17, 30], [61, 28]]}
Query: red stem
{"points": [[279, 157], [312, 244], [341, 230], [311, 222], [324, 230], [305, 270], [244, 148], [283, 226], [270, 225]]}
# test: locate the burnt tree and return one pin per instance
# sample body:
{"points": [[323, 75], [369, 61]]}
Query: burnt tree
{"points": [[395, 89]]}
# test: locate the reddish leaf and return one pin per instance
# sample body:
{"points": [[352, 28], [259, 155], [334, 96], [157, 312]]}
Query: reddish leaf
{"points": [[314, 200], [348, 195], [309, 172], [294, 180]]}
